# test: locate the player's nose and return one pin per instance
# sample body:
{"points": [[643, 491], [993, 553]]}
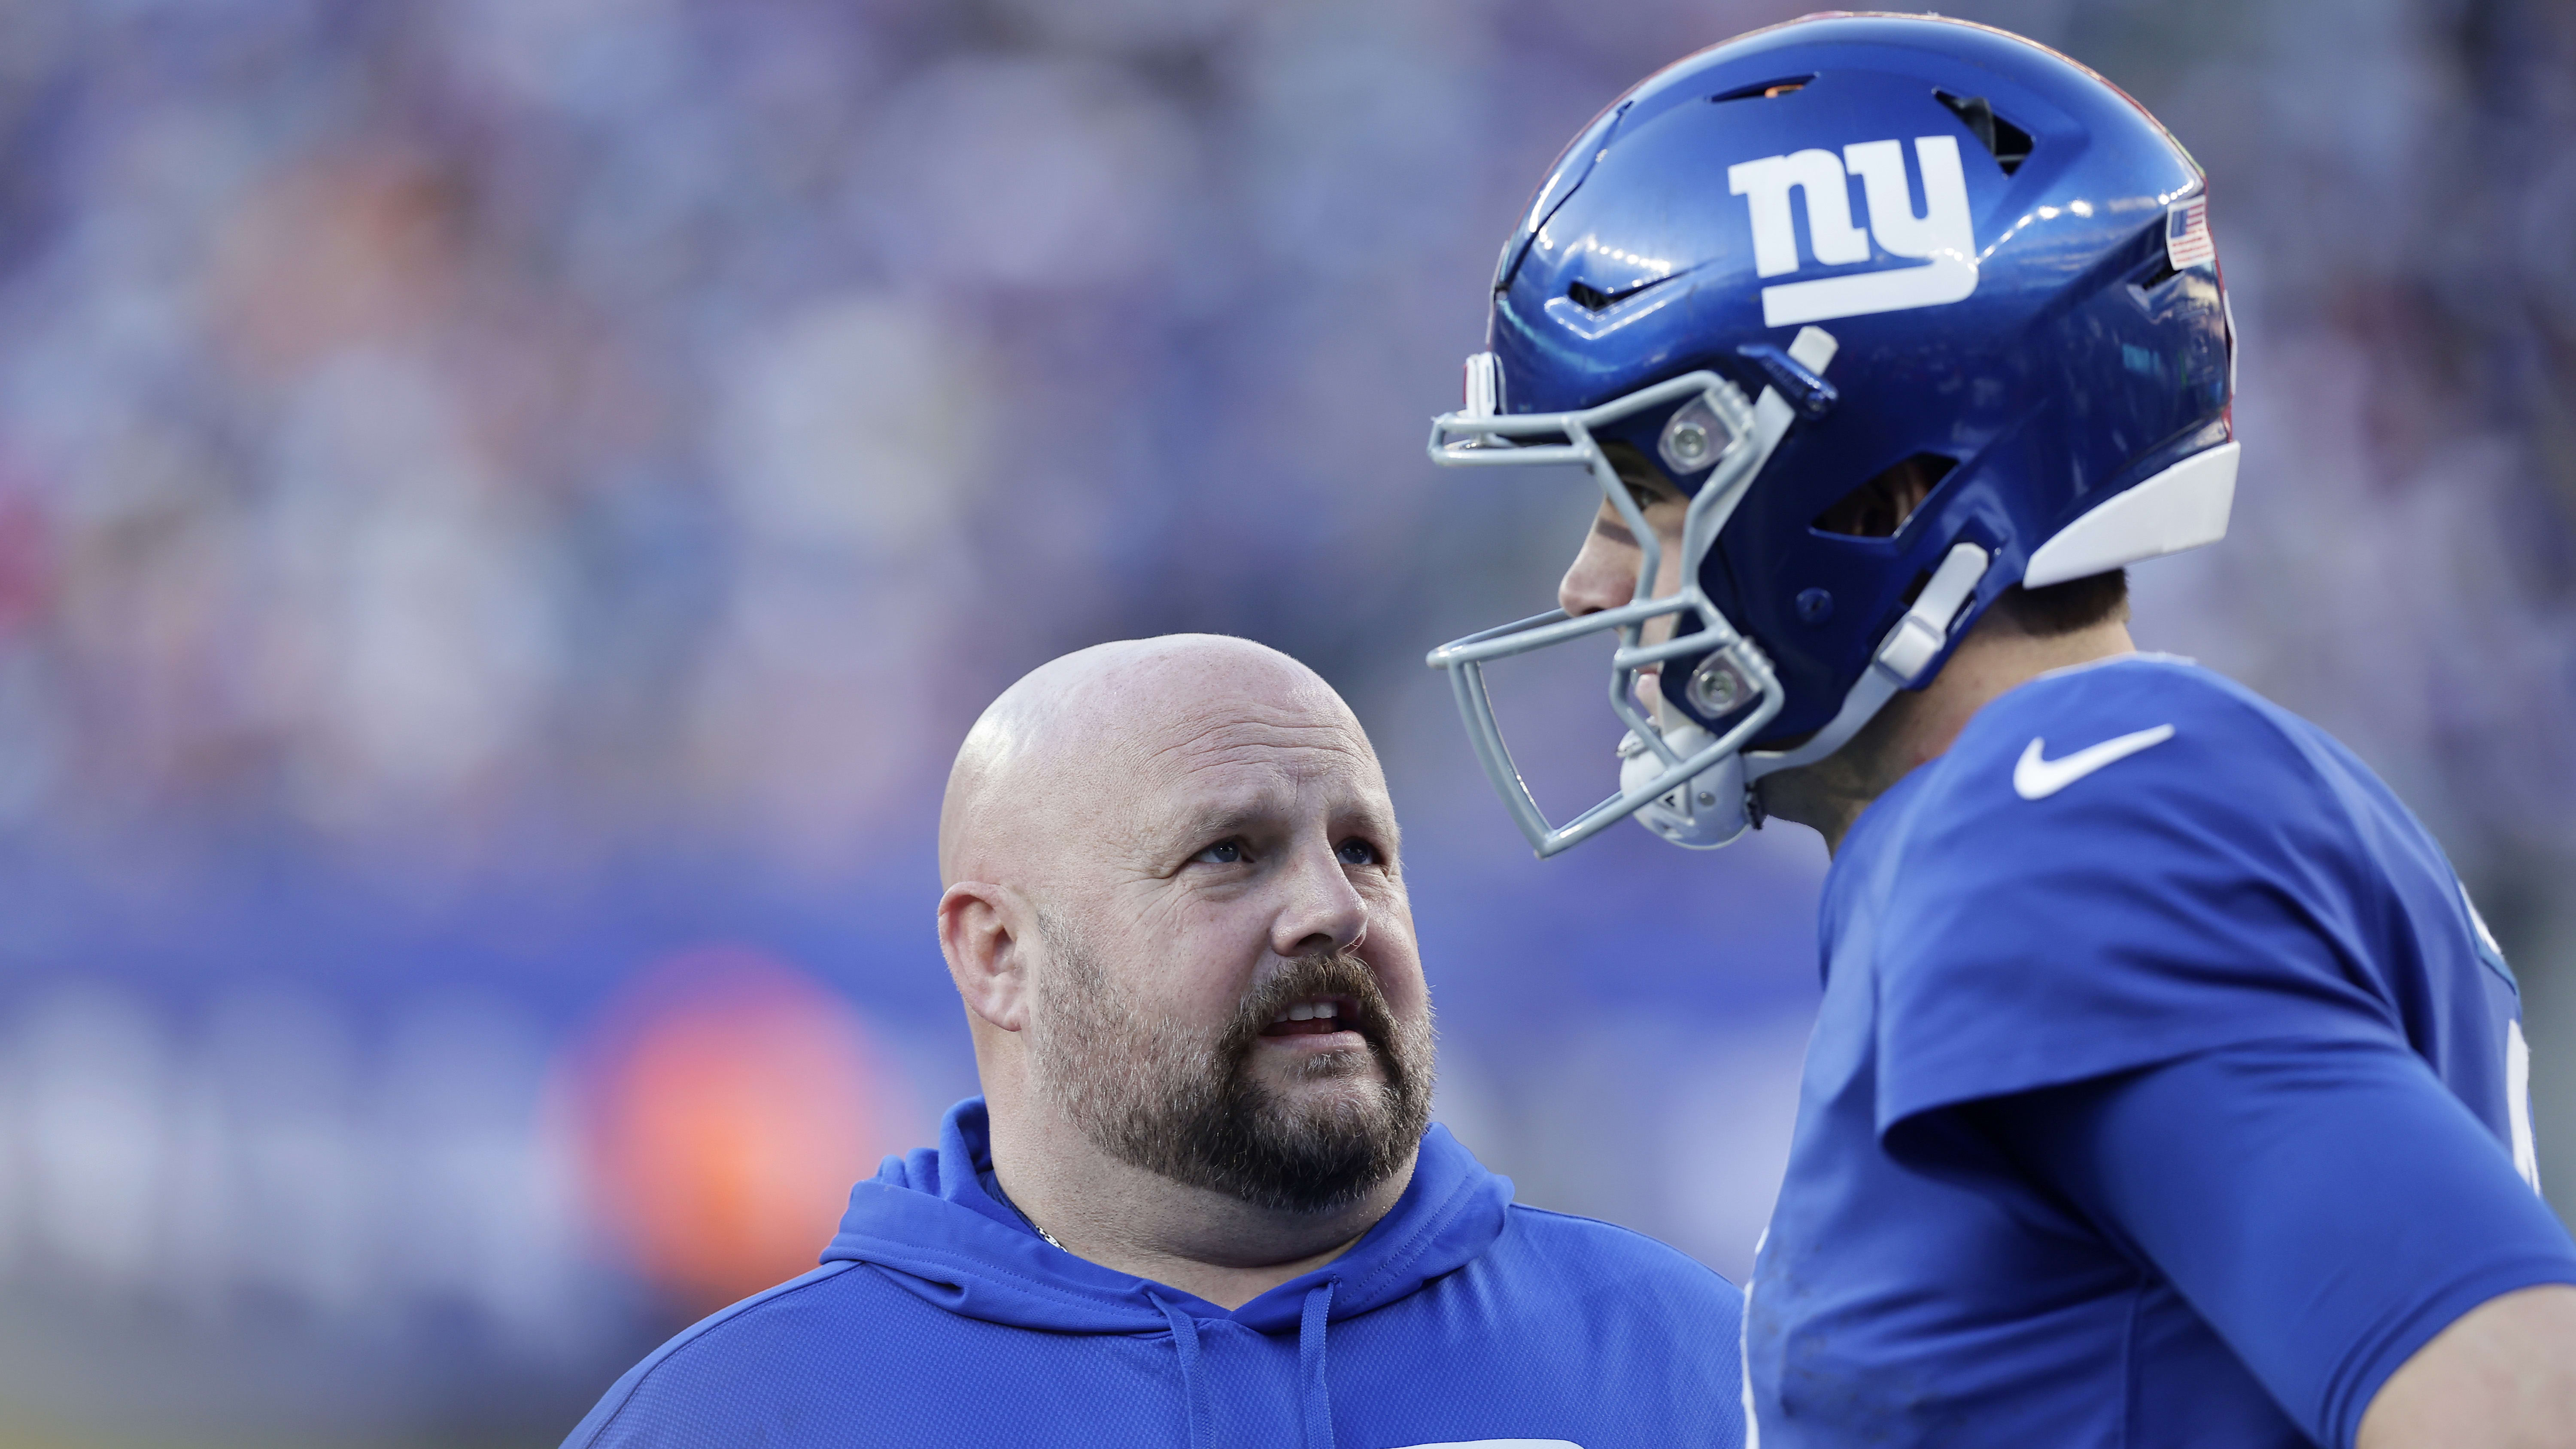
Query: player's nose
{"points": [[1602, 576]]}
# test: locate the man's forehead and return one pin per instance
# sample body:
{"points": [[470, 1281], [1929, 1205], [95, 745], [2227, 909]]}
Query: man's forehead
{"points": [[1258, 732], [1256, 760]]}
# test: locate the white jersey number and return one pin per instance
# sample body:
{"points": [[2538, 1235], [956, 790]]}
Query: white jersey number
{"points": [[2517, 1103]]}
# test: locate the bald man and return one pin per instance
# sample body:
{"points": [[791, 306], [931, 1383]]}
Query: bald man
{"points": [[1197, 1203]]}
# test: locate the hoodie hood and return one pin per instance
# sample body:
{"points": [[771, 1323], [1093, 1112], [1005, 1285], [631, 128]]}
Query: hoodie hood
{"points": [[926, 1218], [941, 1316]]}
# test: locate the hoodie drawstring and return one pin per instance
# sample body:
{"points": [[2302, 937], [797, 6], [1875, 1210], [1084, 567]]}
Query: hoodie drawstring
{"points": [[1185, 1341], [1312, 1325], [1310, 1366]]}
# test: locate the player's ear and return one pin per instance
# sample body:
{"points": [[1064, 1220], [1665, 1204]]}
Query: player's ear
{"points": [[980, 932]]}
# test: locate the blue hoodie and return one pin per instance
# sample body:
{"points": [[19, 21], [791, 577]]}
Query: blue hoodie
{"points": [[940, 1317]]}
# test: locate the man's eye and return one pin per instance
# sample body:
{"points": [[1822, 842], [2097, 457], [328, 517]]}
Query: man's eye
{"points": [[1224, 852], [1356, 852]]}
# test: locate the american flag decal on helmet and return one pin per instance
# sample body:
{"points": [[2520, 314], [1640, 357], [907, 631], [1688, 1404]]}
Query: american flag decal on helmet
{"points": [[2187, 241]]}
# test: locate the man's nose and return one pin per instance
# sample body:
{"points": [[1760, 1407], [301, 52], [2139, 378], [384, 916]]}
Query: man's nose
{"points": [[1323, 912], [1603, 576]]}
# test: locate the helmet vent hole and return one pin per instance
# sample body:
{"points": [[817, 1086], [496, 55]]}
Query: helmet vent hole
{"points": [[1764, 90], [1592, 299], [1880, 507], [2007, 143]]}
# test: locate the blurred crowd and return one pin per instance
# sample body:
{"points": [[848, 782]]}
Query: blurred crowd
{"points": [[507, 506]]}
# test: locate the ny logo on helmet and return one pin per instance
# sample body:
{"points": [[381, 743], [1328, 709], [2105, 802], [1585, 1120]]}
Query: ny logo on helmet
{"points": [[1941, 236]]}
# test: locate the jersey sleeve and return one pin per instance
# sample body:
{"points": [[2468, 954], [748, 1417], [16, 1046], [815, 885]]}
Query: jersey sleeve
{"points": [[2325, 1208], [2043, 926]]}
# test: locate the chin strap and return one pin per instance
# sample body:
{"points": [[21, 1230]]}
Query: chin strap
{"points": [[1902, 660]]}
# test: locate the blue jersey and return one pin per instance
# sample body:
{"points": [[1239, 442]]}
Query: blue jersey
{"points": [[2281, 1137]]}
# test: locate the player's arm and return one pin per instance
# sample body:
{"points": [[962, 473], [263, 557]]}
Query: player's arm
{"points": [[2505, 1374], [2342, 1221]]}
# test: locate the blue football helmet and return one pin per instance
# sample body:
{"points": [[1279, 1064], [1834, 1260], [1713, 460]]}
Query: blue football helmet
{"points": [[1787, 264]]}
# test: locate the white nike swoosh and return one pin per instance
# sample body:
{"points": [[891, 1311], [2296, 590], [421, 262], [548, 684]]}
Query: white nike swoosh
{"points": [[2037, 779]]}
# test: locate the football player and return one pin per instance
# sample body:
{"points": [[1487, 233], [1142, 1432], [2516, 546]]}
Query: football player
{"points": [[2167, 1089]]}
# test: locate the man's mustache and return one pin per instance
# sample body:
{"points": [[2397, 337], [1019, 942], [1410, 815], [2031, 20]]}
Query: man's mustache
{"points": [[1330, 973]]}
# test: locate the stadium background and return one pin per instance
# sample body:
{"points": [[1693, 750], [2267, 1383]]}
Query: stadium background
{"points": [[506, 507]]}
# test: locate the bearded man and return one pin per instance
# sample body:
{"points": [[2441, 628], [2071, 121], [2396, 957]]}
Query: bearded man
{"points": [[1197, 1203]]}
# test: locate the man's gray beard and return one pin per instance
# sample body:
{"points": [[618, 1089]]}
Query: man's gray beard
{"points": [[1150, 1092]]}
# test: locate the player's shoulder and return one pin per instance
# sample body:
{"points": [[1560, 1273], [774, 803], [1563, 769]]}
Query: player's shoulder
{"points": [[733, 1352], [2133, 766], [1595, 1254], [2063, 707], [2137, 727]]}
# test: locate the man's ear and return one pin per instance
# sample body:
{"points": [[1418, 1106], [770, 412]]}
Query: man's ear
{"points": [[981, 931]]}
